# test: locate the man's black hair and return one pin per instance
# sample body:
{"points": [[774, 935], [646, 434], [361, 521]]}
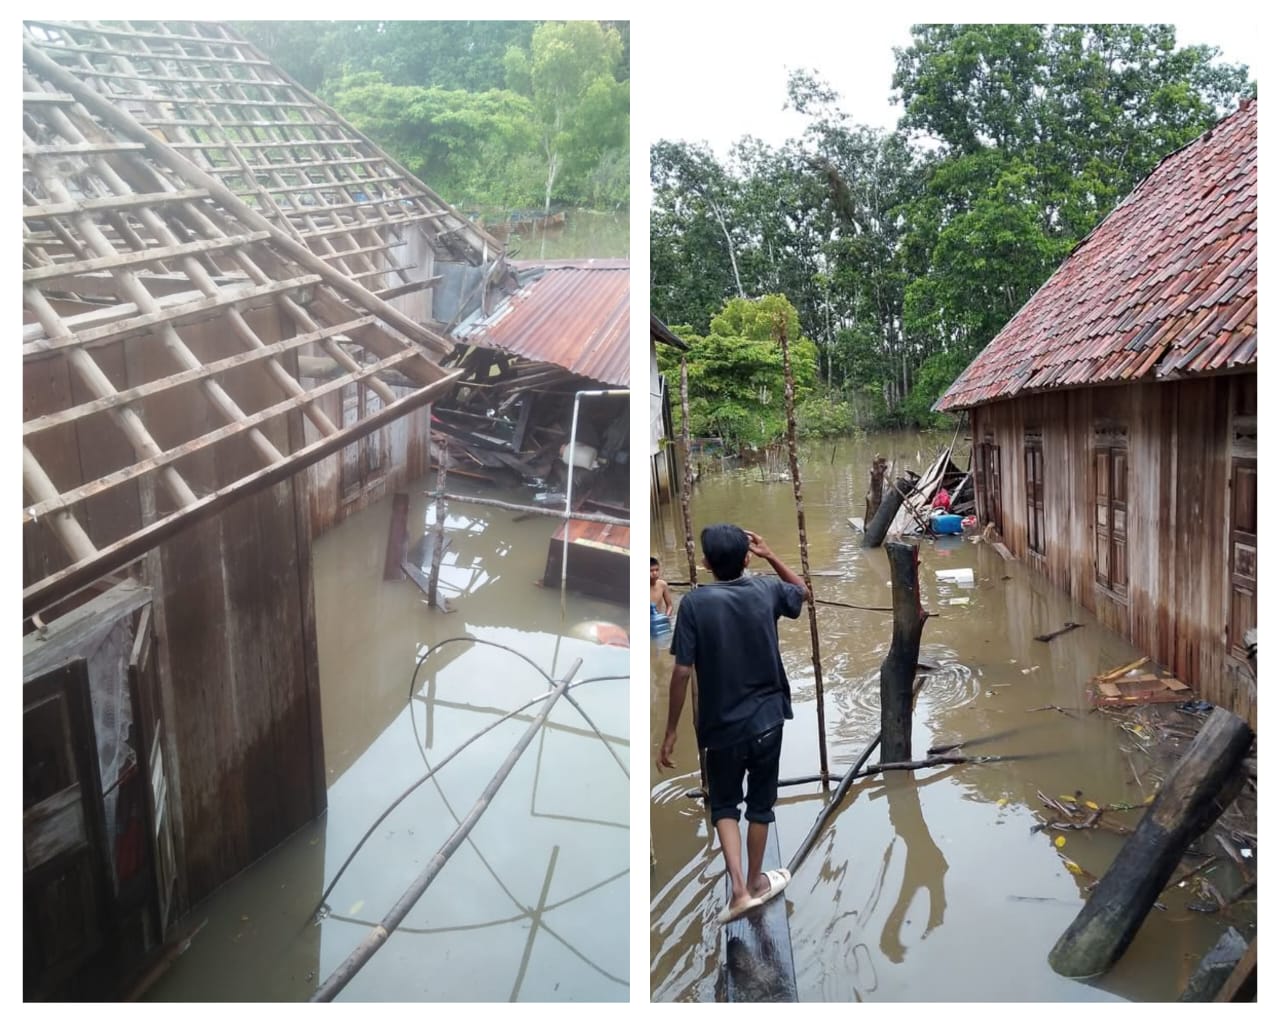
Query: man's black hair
{"points": [[652, 562], [725, 547]]}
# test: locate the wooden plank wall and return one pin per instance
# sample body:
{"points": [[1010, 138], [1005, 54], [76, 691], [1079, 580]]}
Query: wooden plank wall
{"points": [[233, 608], [1179, 442], [408, 458]]}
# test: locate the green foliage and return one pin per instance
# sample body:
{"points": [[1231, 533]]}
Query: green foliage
{"points": [[823, 415], [905, 252], [736, 380], [496, 114]]}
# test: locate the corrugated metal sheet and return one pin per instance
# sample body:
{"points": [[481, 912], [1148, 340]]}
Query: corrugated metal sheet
{"points": [[1165, 287], [575, 314]]}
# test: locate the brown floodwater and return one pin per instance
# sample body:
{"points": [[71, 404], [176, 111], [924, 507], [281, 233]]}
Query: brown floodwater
{"points": [[534, 906], [930, 885]]}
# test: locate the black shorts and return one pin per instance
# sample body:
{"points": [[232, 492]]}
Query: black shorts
{"points": [[757, 758]]}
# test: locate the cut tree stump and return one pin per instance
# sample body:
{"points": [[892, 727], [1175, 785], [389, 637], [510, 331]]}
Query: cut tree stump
{"points": [[1201, 786], [878, 524]]}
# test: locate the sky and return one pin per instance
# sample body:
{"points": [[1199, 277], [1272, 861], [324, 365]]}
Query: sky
{"points": [[721, 78]]}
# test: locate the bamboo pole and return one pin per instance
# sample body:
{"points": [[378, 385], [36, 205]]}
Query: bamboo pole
{"points": [[377, 937], [693, 566], [790, 395], [442, 471]]}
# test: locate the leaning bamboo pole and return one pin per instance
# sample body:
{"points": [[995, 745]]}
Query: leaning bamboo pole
{"points": [[377, 937], [780, 332], [693, 564]]}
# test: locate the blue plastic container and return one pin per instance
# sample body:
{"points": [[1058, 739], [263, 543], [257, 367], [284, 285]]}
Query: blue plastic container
{"points": [[945, 525]]}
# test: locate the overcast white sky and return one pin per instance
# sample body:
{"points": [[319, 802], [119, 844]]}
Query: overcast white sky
{"points": [[722, 76]]}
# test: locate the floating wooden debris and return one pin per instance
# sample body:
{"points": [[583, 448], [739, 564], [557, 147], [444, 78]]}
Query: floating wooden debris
{"points": [[1048, 637], [1124, 690]]}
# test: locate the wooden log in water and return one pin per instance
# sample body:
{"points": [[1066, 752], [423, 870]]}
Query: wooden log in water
{"points": [[898, 672], [1200, 787], [875, 487], [878, 524], [758, 962]]}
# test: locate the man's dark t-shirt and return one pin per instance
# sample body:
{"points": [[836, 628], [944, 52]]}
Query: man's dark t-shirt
{"points": [[728, 632]]}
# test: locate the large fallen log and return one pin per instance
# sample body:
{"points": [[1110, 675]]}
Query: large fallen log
{"points": [[1201, 786], [878, 525]]}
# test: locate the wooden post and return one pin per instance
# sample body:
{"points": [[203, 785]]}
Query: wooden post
{"points": [[878, 524], [780, 332], [1201, 786], [898, 671], [433, 580]]}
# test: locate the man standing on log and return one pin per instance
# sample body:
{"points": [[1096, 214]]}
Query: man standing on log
{"points": [[728, 632]]}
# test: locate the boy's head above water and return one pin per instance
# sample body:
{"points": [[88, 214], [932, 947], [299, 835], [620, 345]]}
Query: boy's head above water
{"points": [[725, 549]]}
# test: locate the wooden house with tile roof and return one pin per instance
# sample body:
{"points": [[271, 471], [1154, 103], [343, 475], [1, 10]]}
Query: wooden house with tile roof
{"points": [[1114, 417]]}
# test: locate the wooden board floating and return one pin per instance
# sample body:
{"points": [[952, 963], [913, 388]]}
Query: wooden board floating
{"points": [[758, 962], [1111, 690]]}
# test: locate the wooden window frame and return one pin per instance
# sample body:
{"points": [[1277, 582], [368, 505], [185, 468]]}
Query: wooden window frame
{"points": [[1111, 510], [993, 506], [1033, 464], [366, 465], [1242, 542]]}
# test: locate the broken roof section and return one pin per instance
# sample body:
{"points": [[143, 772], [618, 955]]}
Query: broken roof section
{"points": [[217, 100], [162, 321], [1165, 287], [573, 313]]}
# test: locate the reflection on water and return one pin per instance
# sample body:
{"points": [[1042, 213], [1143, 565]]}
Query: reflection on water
{"points": [[933, 885], [533, 906]]}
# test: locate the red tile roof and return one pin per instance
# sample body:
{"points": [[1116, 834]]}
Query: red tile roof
{"points": [[574, 313], [1165, 287]]}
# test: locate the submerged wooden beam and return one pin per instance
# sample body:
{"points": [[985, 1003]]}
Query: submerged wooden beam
{"points": [[377, 937], [1200, 787], [397, 538], [758, 962]]}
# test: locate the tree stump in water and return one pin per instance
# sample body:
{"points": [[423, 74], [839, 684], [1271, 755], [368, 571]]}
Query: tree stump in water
{"points": [[898, 672], [1202, 785]]}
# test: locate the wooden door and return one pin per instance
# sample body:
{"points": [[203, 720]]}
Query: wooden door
{"points": [[66, 880]]}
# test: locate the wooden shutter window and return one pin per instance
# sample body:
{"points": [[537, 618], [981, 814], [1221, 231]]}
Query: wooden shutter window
{"points": [[1243, 614]]}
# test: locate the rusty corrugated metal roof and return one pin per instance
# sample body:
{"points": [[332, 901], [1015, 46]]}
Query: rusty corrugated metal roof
{"points": [[1165, 287], [573, 313]]}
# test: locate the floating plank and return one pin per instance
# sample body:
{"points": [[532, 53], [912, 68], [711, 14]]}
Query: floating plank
{"points": [[758, 962], [397, 538]]}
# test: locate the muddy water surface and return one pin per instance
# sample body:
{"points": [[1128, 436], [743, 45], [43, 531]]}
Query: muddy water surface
{"points": [[534, 906], [930, 885]]}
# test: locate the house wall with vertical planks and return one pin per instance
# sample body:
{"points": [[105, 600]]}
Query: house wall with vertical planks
{"points": [[1179, 435]]}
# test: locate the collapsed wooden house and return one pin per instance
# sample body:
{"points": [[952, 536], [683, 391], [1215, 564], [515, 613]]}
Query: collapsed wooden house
{"points": [[235, 309], [1114, 417]]}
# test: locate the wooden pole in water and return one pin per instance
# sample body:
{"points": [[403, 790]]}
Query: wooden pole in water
{"points": [[693, 566], [1202, 785], [433, 580], [780, 332], [377, 937], [898, 670], [688, 473]]}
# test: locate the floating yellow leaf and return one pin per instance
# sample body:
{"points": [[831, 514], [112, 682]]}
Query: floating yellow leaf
{"points": [[1067, 799], [1073, 866], [355, 908], [1090, 804], [1060, 841], [1149, 800], [1002, 801]]}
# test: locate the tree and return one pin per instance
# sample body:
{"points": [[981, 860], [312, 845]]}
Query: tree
{"points": [[735, 371], [570, 72]]}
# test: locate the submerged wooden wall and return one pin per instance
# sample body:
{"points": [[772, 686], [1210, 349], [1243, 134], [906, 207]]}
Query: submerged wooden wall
{"points": [[234, 611], [1179, 437]]}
